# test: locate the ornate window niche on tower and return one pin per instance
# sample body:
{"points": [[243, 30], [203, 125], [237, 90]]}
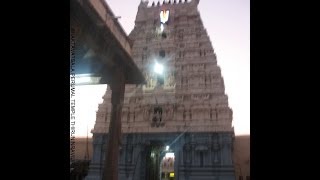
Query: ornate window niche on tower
{"points": [[181, 54], [162, 53], [157, 117], [180, 37], [164, 18], [144, 58], [148, 39], [160, 80], [158, 68]]}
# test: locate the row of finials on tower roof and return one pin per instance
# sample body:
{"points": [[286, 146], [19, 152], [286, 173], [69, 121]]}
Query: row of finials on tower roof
{"points": [[168, 2]]}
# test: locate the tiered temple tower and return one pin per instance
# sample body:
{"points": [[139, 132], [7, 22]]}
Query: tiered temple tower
{"points": [[178, 125]]}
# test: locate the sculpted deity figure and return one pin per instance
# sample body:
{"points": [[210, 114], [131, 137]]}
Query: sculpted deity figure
{"points": [[148, 80], [138, 113], [202, 80], [146, 112], [205, 96], [170, 81], [168, 112], [202, 66]]}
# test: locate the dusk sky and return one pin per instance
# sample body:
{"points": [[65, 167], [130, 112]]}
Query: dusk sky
{"points": [[228, 25]]}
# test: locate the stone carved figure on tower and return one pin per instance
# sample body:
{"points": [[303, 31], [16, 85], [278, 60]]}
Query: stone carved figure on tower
{"points": [[194, 97], [138, 113], [179, 98], [206, 96], [170, 82], [148, 80], [151, 81], [195, 67], [147, 113], [179, 113], [202, 80], [168, 112], [157, 116]]}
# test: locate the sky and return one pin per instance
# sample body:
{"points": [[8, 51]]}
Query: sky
{"points": [[228, 25]]}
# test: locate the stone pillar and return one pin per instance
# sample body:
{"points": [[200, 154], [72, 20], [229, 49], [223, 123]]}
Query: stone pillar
{"points": [[177, 153], [138, 163], [112, 154]]}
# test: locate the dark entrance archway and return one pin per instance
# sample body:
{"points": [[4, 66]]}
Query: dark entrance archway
{"points": [[153, 158]]}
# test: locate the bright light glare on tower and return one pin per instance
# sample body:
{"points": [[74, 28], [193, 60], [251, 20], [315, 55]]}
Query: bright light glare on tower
{"points": [[158, 68], [161, 27]]}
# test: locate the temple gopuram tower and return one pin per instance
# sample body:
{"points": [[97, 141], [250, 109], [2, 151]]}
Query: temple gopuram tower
{"points": [[179, 124]]}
